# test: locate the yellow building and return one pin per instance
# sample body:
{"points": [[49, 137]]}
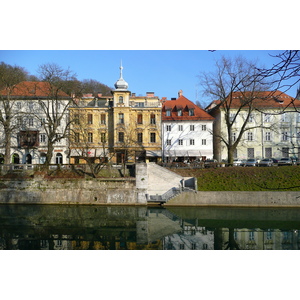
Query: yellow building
{"points": [[123, 128]]}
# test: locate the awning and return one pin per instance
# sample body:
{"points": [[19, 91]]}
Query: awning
{"points": [[154, 153], [188, 153]]}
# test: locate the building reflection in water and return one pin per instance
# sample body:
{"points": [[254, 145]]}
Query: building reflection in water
{"points": [[42, 227]]}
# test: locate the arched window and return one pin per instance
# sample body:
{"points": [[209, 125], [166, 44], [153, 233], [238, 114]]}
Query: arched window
{"points": [[59, 158], [15, 158], [121, 100]]}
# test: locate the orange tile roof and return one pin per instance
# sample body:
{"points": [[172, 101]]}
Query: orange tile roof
{"points": [[33, 89], [264, 99], [184, 104]]}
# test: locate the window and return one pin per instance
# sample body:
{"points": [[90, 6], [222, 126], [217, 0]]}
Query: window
{"points": [[269, 234], [30, 106], [284, 136], [152, 137], [140, 137], [203, 142], [179, 112], [204, 246], [103, 137], [168, 113], [181, 246], [121, 100], [152, 119], [19, 121], [203, 127], [268, 152], [192, 127], [168, 128], [268, 136], [285, 152], [30, 121], [267, 118], [90, 119], [250, 152], [191, 112], [19, 105], [180, 142], [192, 142], [43, 138], [90, 137], [251, 118], [59, 158], [284, 117], [77, 137], [169, 142], [121, 118], [233, 136], [250, 136], [121, 137], [231, 117], [76, 119], [103, 119], [43, 121], [180, 127], [140, 119]]}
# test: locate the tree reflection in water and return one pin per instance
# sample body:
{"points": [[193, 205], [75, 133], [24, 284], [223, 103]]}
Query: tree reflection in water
{"points": [[49, 227]]}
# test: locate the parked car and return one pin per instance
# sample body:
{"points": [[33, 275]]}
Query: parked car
{"points": [[237, 162], [210, 163], [266, 162], [251, 162], [285, 161], [275, 161]]}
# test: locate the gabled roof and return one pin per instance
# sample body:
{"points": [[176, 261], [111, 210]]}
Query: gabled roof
{"points": [[33, 89], [184, 104], [264, 99]]}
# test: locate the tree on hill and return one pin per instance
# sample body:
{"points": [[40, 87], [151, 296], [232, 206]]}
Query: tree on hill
{"points": [[95, 87], [10, 76]]}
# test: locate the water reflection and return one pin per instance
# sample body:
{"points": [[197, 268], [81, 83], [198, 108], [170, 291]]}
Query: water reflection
{"points": [[44, 227]]}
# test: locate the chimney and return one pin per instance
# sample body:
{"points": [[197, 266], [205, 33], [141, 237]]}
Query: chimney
{"points": [[180, 93], [173, 98], [150, 94]]}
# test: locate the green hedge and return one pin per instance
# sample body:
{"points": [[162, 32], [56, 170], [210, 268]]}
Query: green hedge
{"points": [[246, 179]]}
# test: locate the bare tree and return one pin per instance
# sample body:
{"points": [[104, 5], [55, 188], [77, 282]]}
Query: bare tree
{"points": [[54, 109], [234, 85], [285, 72], [10, 76], [90, 146]]}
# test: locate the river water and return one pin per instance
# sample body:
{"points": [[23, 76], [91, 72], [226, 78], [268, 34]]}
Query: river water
{"points": [[63, 227]]}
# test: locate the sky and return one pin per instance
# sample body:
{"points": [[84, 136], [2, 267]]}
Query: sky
{"points": [[163, 72]]}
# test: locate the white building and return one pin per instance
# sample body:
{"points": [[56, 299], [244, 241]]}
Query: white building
{"points": [[273, 129], [36, 112], [186, 130]]}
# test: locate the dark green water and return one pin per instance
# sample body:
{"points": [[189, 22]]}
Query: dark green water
{"points": [[44, 227]]}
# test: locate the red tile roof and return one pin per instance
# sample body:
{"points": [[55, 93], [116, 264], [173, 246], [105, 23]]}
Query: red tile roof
{"points": [[33, 89], [264, 99], [184, 104]]}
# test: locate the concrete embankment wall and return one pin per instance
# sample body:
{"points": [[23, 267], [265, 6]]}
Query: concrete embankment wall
{"points": [[246, 199], [64, 191]]}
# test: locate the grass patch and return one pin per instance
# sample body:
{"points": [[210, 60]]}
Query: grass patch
{"points": [[245, 179]]}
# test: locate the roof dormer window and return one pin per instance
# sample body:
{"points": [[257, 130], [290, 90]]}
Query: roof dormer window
{"points": [[168, 113], [179, 112], [191, 112]]}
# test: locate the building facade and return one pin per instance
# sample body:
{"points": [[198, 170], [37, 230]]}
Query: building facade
{"points": [[272, 130], [37, 115], [187, 131], [121, 128]]}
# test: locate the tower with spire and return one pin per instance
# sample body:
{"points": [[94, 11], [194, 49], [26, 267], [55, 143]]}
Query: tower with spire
{"points": [[121, 94]]}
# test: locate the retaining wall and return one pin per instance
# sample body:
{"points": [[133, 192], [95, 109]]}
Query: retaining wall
{"points": [[63, 191], [227, 198]]}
